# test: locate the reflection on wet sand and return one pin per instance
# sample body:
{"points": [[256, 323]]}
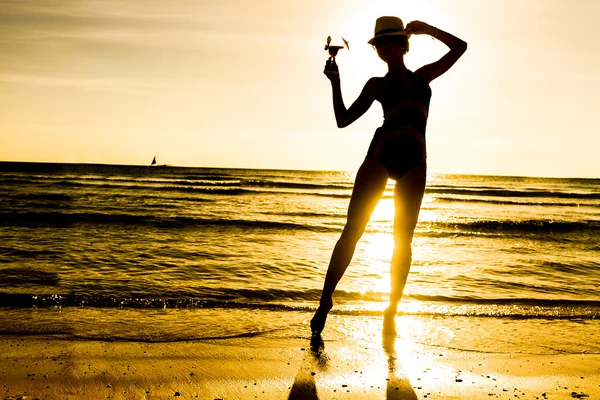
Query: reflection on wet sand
{"points": [[398, 385], [304, 386]]}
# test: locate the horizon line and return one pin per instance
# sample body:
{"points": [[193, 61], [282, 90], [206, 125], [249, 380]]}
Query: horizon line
{"points": [[285, 169]]}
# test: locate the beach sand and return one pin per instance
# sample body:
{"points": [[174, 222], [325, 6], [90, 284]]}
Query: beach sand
{"points": [[263, 367]]}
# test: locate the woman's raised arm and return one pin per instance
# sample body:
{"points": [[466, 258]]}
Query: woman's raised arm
{"points": [[457, 48], [343, 116]]}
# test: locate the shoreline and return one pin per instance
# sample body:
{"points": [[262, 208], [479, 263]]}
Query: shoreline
{"points": [[51, 367]]}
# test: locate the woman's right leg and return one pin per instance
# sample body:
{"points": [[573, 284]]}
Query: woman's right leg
{"points": [[408, 195], [369, 186]]}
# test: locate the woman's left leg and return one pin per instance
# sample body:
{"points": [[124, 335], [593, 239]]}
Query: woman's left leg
{"points": [[408, 195], [371, 181]]}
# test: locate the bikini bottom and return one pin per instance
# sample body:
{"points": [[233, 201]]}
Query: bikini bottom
{"points": [[399, 150]]}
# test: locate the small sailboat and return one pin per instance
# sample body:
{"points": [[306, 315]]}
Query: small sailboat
{"points": [[154, 162]]}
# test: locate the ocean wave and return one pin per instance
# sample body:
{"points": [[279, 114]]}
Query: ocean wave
{"points": [[43, 196], [431, 229], [579, 267], [307, 214], [208, 177], [163, 181], [161, 188], [475, 192], [293, 185], [510, 202], [16, 277], [229, 297], [10, 182], [55, 200], [239, 184], [525, 226], [156, 196], [37, 219], [20, 252], [331, 195], [170, 182], [516, 308]]}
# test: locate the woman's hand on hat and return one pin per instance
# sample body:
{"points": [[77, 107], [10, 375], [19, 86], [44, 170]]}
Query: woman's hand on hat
{"points": [[418, 28]]}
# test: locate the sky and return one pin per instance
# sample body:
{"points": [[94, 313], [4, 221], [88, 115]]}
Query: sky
{"points": [[238, 83]]}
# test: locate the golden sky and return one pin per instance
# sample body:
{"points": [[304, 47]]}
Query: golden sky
{"points": [[234, 83]]}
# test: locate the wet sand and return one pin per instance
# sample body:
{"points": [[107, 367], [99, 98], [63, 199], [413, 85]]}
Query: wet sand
{"points": [[51, 367]]}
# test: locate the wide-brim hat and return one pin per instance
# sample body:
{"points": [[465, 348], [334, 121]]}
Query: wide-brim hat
{"points": [[388, 26]]}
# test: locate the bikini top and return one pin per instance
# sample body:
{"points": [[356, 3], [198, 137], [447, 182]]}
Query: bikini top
{"points": [[405, 100]]}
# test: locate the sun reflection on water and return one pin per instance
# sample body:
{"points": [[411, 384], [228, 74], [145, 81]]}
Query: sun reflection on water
{"points": [[377, 245]]}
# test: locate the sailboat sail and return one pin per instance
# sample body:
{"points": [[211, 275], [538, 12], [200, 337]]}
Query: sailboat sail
{"points": [[153, 161]]}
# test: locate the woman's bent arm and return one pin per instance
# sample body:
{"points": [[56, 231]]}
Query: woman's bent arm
{"points": [[345, 117], [457, 49]]}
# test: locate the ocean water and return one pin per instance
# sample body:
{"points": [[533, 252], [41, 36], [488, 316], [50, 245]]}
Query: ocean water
{"points": [[168, 253]]}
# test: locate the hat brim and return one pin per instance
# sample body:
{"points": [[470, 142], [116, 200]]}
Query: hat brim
{"points": [[399, 33]]}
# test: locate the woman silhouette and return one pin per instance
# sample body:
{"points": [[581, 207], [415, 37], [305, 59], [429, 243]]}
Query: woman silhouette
{"points": [[397, 151]]}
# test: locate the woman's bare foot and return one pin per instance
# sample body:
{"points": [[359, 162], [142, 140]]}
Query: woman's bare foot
{"points": [[317, 323], [389, 322]]}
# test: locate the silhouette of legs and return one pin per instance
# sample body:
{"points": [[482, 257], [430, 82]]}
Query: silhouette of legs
{"points": [[408, 195], [369, 186]]}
